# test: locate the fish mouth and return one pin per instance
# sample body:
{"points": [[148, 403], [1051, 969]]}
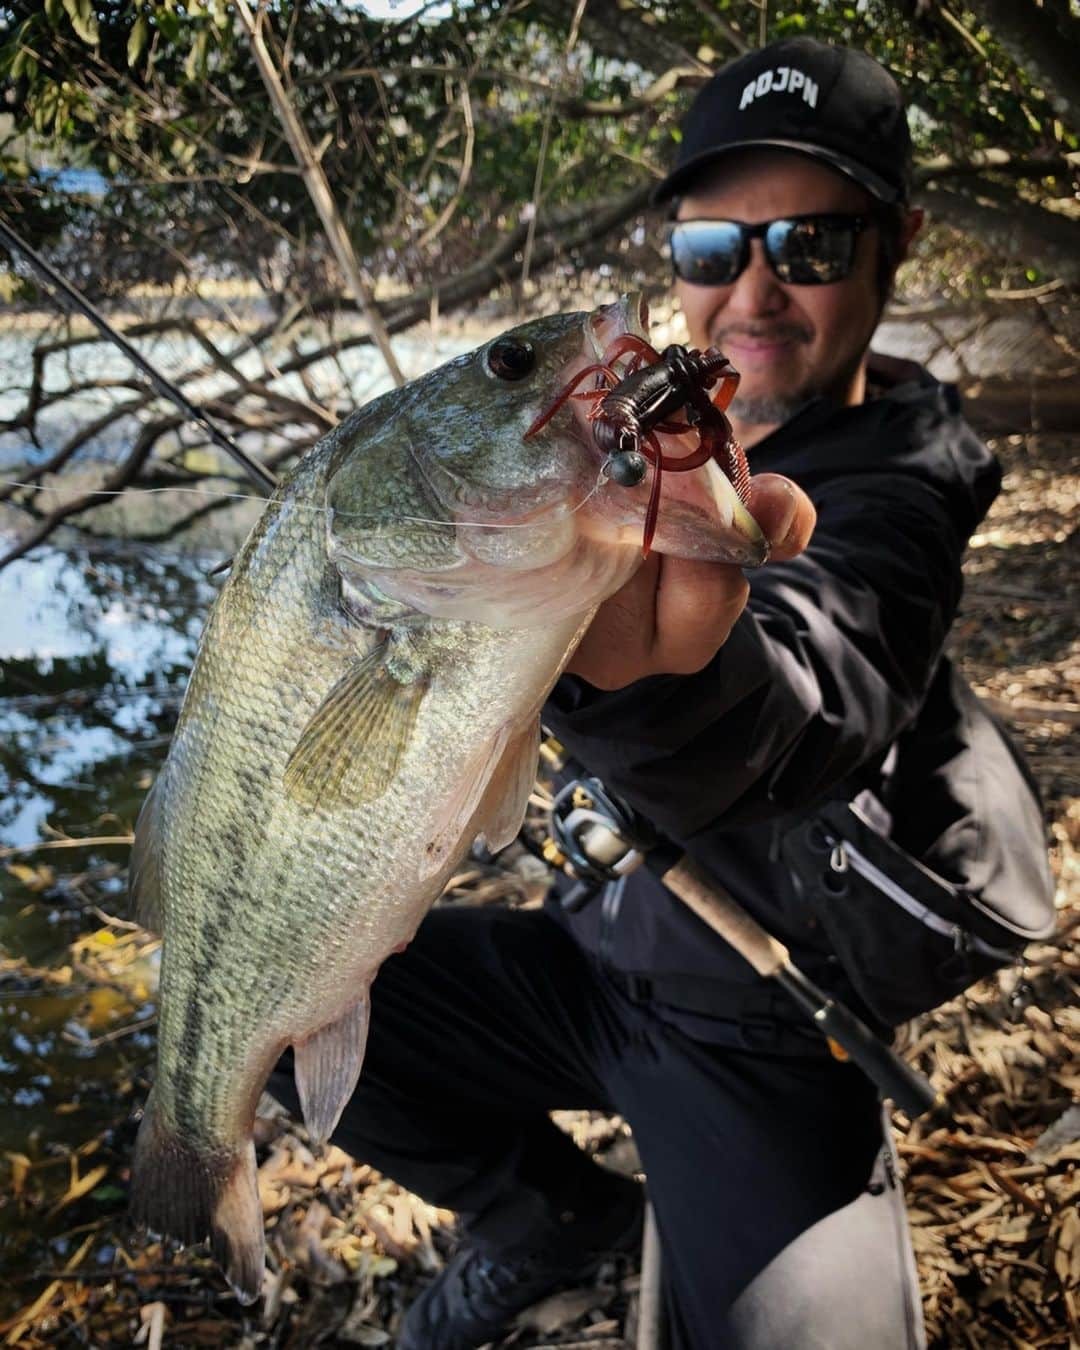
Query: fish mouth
{"points": [[629, 314]]}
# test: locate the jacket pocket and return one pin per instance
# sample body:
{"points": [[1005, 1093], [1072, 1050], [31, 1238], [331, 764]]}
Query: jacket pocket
{"points": [[907, 939]]}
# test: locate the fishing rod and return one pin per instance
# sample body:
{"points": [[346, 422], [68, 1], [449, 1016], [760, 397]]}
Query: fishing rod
{"points": [[16, 245]]}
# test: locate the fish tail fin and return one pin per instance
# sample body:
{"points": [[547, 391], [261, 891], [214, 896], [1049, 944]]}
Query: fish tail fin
{"points": [[178, 1191]]}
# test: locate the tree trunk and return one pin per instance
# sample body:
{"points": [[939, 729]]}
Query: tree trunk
{"points": [[1045, 43], [999, 407], [1015, 228]]}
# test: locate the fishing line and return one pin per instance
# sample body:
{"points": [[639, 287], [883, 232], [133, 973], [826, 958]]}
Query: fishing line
{"points": [[601, 479], [59, 285]]}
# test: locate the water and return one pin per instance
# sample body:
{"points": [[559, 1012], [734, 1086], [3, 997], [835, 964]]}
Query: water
{"points": [[341, 382], [95, 647]]}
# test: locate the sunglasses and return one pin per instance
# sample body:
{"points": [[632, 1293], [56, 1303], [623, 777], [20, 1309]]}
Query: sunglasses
{"points": [[801, 250]]}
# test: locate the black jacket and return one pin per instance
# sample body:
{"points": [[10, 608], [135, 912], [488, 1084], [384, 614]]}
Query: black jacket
{"points": [[832, 661]]}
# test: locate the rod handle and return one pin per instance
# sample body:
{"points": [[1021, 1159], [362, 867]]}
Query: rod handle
{"points": [[725, 916]]}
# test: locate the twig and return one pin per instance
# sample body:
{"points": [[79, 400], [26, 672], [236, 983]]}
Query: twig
{"points": [[67, 843], [708, 12], [318, 188], [1031, 293], [92, 1042], [545, 135], [464, 173]]}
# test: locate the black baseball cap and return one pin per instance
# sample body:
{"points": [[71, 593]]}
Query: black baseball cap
{"points": [[831, 103]]}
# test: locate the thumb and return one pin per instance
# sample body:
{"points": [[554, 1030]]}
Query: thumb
{"points": [[784, 512]]}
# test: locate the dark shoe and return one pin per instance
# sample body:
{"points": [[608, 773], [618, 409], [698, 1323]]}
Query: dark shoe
{"points": [[476, 1297]]}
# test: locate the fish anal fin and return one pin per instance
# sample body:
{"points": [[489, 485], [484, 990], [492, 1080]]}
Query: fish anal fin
{"points": [[350, 751], [507, 795], [327, 1066], [188, 1194], [144, 868]]}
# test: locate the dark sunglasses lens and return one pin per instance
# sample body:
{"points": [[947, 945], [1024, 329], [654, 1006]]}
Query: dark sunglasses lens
{"points": [[812, 252], [707, 252]]}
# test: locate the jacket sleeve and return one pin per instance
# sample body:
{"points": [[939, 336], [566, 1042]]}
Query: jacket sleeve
{"points": [[829, 662]]}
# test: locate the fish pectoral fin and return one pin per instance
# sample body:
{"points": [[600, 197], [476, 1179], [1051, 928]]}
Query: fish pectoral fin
{"points": [[144, 869], [350, 750], [507, 796], [327, 1066]]}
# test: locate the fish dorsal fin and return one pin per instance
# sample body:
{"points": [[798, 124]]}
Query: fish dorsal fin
{"points": [[507, 795], [350, 750], [144, 868], [327, 1065]]}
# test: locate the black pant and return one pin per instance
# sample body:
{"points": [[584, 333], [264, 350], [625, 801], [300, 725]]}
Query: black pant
{"points": [[492, 1017]]}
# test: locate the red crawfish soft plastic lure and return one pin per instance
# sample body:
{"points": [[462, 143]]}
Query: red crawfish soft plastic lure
{"points": [[628, 411]]}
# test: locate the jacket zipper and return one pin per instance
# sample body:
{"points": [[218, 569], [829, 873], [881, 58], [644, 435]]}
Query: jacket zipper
{"points": [[845, 854]]}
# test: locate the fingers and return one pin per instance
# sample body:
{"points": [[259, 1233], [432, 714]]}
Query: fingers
{"points": [[675, 614], [697, 604], [784, 512], [617, 647]]}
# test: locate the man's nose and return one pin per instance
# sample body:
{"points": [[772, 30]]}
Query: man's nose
{"points": [[756, 291]]}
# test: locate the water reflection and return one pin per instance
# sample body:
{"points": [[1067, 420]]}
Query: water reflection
{"points": [[95, 648]]}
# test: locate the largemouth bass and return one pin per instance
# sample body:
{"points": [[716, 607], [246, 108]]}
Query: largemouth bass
{"points": [[363, 704]]}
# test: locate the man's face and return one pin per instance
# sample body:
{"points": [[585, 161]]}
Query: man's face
{"points": [[789, 343]]}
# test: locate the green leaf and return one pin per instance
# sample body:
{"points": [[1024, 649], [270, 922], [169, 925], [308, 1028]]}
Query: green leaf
{"points": [[195, 65], [53, 11], [137, 40], [168, 24], [107, 1192], [83, 20]]}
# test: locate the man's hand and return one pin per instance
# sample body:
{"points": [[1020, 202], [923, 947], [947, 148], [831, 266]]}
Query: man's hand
{"points": [[674, 615]]}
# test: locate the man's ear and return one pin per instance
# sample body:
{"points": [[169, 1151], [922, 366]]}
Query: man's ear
{"points": [[911, 227]]}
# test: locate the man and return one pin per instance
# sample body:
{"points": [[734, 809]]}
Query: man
{"points": [[725, 711]]}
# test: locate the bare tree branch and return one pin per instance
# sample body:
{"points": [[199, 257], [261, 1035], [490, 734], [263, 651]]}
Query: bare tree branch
{"points": [[1013, 227], [569, 105], [116, 481], [934, 167], [726, 30]]}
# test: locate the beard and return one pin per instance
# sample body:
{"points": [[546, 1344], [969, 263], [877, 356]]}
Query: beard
{"points": [[768, 409], [775, 407]]}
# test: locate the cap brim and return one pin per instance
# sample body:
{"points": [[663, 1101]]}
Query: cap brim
{"points": [[679, 178]]}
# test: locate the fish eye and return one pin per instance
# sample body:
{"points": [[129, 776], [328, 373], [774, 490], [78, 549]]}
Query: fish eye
{"points": [[511, 358]]}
